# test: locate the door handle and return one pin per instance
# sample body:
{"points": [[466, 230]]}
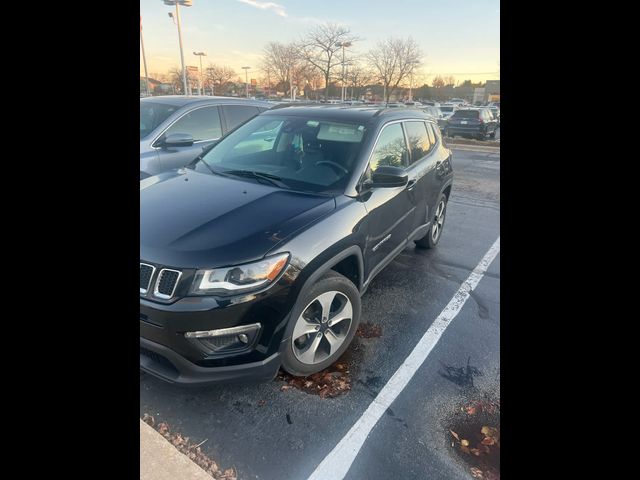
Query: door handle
{"points": [[411, 183]]}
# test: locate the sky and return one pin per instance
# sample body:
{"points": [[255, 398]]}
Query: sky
{"points": [[457, 37]]}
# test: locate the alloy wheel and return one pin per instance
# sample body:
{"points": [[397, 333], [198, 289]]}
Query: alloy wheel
{"points": [[322, 327], [438, 221]]}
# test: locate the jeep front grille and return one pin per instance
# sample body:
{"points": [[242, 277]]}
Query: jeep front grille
{"points": [[167, 283], [146, 273]]}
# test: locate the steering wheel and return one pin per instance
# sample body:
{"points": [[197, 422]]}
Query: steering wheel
{"points": [[337, 166]]}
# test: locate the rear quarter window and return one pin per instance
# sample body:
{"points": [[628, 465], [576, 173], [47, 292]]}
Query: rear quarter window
{"points": [[237, 114]]}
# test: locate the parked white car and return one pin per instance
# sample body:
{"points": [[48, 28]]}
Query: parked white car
{"points": [[447, 109]]}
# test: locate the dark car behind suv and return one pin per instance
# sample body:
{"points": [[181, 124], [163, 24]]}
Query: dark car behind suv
{"points": [[474, 122], [256, 255]]}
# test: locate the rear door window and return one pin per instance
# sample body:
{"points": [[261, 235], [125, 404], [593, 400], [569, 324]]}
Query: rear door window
{"points": [[419, 140]]}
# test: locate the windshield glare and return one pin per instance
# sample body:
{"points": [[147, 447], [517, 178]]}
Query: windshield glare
{"points": [[307, 154], [153, 114]]}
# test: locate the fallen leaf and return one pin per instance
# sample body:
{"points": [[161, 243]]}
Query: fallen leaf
{"points": [[464, 442], [476, 472], [488, 441], [455, 435]]}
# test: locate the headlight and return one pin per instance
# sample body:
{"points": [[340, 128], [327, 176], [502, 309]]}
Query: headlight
{"points": [[240, 279]]}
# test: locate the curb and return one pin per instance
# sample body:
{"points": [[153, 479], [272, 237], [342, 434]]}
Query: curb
{"points": [[159, 460]]}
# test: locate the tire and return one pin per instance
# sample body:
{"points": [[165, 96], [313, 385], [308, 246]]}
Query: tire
{"points": [[428, 241], [298, 358], [492, 135]]}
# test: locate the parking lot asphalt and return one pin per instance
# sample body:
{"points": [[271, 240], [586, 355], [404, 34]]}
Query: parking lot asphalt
{"points": [[266, 433]]}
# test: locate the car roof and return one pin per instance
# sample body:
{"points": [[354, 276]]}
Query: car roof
{"points": [[348, 113], [182, 100]]}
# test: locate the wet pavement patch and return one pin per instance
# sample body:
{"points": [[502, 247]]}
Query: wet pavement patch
{"points": [[191, 450], [474, 432], [369, 330], [461, 376], [330, 382]]}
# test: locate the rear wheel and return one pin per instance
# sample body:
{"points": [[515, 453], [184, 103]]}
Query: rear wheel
{"points": [[431, 239], [325, 320]]}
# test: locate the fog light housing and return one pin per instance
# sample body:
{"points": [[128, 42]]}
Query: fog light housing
{"points": [[225, 340]]}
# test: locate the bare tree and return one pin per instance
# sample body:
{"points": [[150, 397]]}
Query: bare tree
{"points": [[359, 76], [449, 81], [218, 76], [320, 48], [279, 61], [393, 61], [175, 75], [314, 79], [437, 82]]}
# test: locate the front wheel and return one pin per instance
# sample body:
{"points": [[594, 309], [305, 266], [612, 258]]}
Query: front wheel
{"points": [[431, 239], [325, 321]]}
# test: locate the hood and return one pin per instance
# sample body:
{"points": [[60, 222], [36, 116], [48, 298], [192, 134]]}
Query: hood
{"points": [[196, 220]]}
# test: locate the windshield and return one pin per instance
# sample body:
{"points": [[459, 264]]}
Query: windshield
{"points": [[446, 109], [153, 114], [303, 153]]}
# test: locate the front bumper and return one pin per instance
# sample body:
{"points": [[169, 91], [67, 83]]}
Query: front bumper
{"points": [[169, 350], [166, 364]]}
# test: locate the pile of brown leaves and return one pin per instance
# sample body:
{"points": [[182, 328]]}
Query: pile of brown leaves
{"points": [[331, 382], [191, 450], [480, 443], [369, 330]]}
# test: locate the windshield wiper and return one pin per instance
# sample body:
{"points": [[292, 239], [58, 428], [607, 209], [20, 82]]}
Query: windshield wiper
{"points": [[273, 179]]}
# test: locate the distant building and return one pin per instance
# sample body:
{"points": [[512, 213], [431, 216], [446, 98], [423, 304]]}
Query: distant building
{"points": [[492, 87]]}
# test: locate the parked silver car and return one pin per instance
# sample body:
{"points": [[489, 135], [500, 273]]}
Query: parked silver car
{"points": [[175, 129]]}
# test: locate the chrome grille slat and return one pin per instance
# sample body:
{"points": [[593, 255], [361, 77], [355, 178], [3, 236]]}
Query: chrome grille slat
{"points": [[166, 283], [146, 275]]}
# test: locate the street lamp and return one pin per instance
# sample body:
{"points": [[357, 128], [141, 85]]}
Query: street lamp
{"points": [[413, 64], [201, 87], [343, 45], [184, 3], [246, 79]]}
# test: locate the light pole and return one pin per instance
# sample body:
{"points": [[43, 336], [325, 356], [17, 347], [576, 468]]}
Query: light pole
{"points": [[343, 45], [246, 79], [413, 64], [144, 59], [201, 87], [184, 3]]}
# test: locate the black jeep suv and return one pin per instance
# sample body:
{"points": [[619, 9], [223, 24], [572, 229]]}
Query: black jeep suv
{"points": [[255, 256]]}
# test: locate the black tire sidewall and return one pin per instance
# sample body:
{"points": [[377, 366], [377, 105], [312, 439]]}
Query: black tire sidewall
{"points": [[427, 240], [327, 282]]}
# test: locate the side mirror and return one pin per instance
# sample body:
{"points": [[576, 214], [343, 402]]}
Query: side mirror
{"points": [[177, 140], [388, 177]]}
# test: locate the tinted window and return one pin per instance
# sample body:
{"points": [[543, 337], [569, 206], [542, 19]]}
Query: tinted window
{"points": [[237, 114], [466, 114], [391, 148], [153, 114], [431, 135], [419, 141], [446, 109], [201, 124]]}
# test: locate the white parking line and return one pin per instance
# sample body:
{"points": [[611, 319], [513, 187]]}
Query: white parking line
{"points": [[336, 465]]}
